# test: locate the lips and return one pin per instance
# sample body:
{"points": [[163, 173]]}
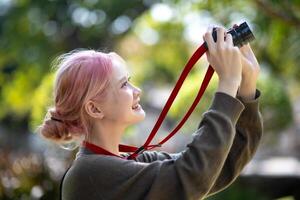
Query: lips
{"points": [[136, 105]]}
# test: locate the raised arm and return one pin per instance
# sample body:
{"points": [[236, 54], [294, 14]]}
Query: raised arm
{"points": [[249, 130], [249, 127]]}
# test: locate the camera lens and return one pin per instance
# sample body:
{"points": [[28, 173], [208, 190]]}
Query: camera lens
{"points": [[240, 34]]}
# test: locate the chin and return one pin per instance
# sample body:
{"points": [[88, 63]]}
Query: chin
{"points": [[141, 117]]}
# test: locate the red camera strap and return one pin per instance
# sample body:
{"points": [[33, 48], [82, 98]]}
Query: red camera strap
{"points": [[126, 148]]}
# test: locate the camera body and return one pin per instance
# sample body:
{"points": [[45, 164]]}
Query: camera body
{"points": [[241, 34]]}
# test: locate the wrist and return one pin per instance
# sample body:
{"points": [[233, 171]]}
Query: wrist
{"points": [[247, 91], [229, 87]]}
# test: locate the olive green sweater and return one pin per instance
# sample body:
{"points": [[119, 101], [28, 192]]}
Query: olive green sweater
{"points": [[225, 141]]}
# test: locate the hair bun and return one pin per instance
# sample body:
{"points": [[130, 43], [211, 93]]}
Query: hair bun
{"points": [[54, 128]]}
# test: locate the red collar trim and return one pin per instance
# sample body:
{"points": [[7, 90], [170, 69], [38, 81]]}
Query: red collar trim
{"points": [[98, 150]]}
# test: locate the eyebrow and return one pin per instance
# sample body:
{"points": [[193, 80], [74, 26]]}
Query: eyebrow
{"points": [[124, 78]]}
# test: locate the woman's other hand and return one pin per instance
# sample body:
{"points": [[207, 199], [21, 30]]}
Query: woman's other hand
{"points": [[250, 73]]}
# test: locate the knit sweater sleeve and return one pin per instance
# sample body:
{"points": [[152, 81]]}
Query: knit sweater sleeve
{"points": [[191, 175], [249, 130]]}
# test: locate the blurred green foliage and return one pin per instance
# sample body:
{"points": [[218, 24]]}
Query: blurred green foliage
{"points": [[33, 32]]}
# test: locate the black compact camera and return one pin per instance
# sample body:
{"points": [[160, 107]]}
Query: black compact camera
{"points": [[241, 34]]}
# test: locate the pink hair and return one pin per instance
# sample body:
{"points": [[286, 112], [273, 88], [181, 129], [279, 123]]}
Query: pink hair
{"points": [[81, 75]]}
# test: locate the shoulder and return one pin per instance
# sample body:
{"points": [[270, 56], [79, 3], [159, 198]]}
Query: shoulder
{"points": [[106, 164], [93, 169]]}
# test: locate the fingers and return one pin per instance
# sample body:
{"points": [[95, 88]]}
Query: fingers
{"points": [[209, 39], [228, 39], [220, 36]]}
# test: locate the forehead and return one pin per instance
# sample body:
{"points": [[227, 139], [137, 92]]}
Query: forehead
{"points": [[119, 68]]}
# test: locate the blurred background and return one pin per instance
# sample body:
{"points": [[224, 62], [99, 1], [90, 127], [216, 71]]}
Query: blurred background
{"points": [[156, 38]]}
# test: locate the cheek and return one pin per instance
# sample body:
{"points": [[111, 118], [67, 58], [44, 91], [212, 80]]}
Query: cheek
{"points": [[125, 98], [128, 97], [120, 103]]}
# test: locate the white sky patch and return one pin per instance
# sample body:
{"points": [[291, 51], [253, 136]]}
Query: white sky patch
{"points": [[121, 24], [238, 18], [196, 24], [37, 192], [148, 36], [161, 12], [273, 166], [80, 15], [87, 18], [5, 6]]}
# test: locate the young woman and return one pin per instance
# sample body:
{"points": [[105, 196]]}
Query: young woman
{"points": [[95, 100]]}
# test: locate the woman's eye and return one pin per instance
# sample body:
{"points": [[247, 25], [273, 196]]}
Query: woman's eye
{"points": [[124, 84]]}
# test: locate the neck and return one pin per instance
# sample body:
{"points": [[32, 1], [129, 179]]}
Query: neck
{"points": [[106, 136]]}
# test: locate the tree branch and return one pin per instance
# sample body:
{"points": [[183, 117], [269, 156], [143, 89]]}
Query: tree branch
{"points": [[280, 14]]}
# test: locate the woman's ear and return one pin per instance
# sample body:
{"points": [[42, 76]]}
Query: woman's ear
{"points": [[93, 110]]}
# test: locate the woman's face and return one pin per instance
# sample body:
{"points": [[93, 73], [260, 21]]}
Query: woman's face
{"points": [[122, 103]]}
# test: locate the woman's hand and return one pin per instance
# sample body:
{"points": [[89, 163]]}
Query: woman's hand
{"points": [[225, 59], [250, 73]]}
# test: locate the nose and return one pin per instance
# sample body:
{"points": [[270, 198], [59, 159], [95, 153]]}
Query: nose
{"points": [[136, 91]]}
